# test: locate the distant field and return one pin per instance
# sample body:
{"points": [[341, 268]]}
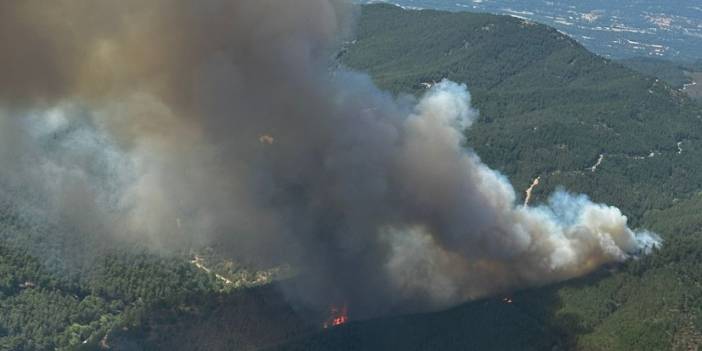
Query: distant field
{"points": [[612, 28]]}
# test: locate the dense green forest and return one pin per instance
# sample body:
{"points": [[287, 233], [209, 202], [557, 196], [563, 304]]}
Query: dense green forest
{"points": [[548, 108], [654, 303], [73, 292], [677, 74], [40, 311]]}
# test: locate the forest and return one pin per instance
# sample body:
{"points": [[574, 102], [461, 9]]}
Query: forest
{"points": [[549, 109]]}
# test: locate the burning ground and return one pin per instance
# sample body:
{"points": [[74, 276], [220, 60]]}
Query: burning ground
{"points": [[180, 124]]}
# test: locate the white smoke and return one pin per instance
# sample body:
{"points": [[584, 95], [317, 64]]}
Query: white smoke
{"points": [[237, 135], [567, 237]]}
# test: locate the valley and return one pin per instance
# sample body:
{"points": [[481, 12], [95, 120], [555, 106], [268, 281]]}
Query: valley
{"points": [[616, 29]]}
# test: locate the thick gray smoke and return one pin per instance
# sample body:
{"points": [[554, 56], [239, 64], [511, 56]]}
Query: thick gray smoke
{"points": [[225, 122]]}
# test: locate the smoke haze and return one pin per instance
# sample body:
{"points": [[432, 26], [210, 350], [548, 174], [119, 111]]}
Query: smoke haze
{"points": [[181, 123]]}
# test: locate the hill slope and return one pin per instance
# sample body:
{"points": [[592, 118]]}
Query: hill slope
{"points": [[674, 73], [550, 108], [612, 28]]}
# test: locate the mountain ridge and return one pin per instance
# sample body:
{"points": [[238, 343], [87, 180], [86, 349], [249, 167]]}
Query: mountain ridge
{"points": [[620, 307], [548, 108]]}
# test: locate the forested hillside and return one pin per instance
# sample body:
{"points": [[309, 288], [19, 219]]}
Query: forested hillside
{"points": [[674, 73], [64, 291], [549, 109]]}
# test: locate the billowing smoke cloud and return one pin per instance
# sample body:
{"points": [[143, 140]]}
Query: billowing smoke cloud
{"points": [[182, 123]]}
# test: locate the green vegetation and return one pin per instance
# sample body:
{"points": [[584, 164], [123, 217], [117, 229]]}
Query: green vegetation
{"points": [[548, 108], [42, 311], [76, 292], [674, 73], [684, 76], [653, 303]]}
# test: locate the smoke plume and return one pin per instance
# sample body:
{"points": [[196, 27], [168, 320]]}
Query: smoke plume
{"points": [[185, 123]]}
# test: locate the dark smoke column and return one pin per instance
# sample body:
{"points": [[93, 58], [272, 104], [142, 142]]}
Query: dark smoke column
{"points": [[226, 121]]}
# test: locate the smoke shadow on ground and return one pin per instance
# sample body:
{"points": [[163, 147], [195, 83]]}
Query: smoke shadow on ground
{"points": [[261, 318], [531, 319], [546, 305], [245, 319]]}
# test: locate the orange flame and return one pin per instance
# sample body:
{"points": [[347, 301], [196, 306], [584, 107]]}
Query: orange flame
{"points": [[337, 316]]}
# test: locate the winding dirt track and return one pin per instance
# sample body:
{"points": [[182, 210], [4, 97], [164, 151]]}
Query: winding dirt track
{"points": [[197, 261]]}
